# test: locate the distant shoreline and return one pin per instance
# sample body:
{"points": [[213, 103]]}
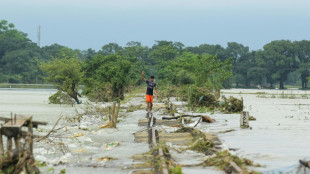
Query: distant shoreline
{"points": [[33, 86]]}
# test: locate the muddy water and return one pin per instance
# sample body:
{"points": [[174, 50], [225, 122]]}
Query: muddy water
{"points": [[32, 102], [278, 138]]}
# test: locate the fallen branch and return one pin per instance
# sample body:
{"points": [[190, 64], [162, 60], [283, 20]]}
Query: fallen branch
{"points": [[108, 125], [204, 118], [235, 167], [198, 121], [177, 117], [52, 130]]}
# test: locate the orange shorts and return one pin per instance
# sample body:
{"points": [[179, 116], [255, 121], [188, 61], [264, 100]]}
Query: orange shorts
{"points": [[149, 98]]}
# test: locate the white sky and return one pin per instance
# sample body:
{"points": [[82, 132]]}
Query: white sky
{"points": [[92, 23]]}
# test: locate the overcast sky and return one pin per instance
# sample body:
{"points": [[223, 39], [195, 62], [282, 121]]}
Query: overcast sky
{"points": [[92, 23]]}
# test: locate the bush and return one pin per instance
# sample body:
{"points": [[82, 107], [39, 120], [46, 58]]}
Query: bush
{"points": [[201, 96], [60, 98]]}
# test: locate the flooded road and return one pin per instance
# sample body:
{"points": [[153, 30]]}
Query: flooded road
{"points": [[277, 140]]}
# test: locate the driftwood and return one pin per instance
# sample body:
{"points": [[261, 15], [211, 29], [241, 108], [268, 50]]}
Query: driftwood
{"points": [[177, 117], [235, 168], [52, 130], [207, 119], [198, 122], [204, 118]]}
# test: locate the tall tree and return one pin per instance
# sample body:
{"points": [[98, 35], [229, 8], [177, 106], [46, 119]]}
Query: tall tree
{"points": [[302, 51], [111, 69], [279, 60], [110, 48]]}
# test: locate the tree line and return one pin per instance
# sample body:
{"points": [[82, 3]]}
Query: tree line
{"points": [[114, 67]]}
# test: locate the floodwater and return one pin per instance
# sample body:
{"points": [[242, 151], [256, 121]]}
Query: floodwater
{"points": [[33, 102], [277, 140], [279, 136]]}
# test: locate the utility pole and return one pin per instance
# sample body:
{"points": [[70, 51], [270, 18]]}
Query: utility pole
{"points": [[39, 35]]}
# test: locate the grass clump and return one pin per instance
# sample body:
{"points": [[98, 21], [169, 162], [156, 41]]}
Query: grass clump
{"points": [[194, 132], [200, 143], [222, 160], [252, 118], [175, 170]]}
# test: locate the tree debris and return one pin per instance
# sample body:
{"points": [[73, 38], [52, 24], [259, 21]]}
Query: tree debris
{"points": [[232, 105], [207, 119], [223, 160]]}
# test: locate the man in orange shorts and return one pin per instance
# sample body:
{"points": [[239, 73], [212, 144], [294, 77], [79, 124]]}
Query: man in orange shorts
{"points": [[151, 84]]}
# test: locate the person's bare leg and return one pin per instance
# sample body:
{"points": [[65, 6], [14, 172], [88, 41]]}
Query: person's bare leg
{"points": [[148, 106], [151, 106]]}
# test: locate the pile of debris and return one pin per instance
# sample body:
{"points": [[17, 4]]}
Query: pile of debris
{"points": [[232, 105], [224, 160], [203, 97]]}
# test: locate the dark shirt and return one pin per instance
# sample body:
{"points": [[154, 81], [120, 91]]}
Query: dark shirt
{"points": [[150, 87]]}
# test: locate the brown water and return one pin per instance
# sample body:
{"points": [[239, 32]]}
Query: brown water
{"points": [[278, 139], [33, 102]]}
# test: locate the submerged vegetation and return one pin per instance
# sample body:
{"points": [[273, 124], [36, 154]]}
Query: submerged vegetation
{"points": [[200, 142], [232, 105], [223, 161], [176, 170]]}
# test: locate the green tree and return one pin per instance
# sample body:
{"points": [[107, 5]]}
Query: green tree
{"points": [[163, 51], [110, 48], [11, 39], [279, 60], [137, 55], [18, 56], [217, 50], [240, 58], [242, 67], [207, 70], [65, 73], [88, 54], [48, 52], [111, 69], [256, 75], [21, 64], [302, 51]]}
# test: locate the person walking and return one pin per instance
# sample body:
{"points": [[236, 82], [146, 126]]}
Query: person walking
{"points": [[151, 85]]}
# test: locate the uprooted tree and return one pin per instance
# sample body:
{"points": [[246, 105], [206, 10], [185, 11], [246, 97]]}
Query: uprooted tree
{"points": [[66, 74]]}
